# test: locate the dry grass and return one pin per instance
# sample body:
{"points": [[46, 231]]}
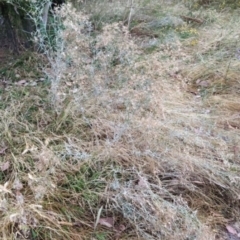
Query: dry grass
{"points": [[148, 137]]}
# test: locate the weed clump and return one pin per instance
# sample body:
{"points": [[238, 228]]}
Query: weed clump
{"points": [[124, 144]]}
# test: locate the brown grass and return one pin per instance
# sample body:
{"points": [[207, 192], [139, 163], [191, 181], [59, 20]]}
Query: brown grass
{"points": [[149, 138]]}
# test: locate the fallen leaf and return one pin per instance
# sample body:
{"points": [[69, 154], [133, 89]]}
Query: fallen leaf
{"points": [[198, 81], [5, 166], [231, 230], [120, 228], [32, 84], [21, 82], [69, 84], [203, 84], [108, 222]]}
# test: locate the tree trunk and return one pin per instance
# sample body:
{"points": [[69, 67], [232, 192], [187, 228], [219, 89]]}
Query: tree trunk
{"points": [[9, 30]]}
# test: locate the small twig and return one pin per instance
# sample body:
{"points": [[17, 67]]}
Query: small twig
{"points": [[45, 14], [98, 217], [191, 19], [130, 15]]}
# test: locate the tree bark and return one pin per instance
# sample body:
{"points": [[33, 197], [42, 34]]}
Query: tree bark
{"points": [[5, 10]]}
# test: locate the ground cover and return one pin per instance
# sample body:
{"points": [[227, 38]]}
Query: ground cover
{"points": [[130, 131]]}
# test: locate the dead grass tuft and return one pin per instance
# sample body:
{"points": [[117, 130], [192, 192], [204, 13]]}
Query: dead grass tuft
{"points": [[126, 145]]}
